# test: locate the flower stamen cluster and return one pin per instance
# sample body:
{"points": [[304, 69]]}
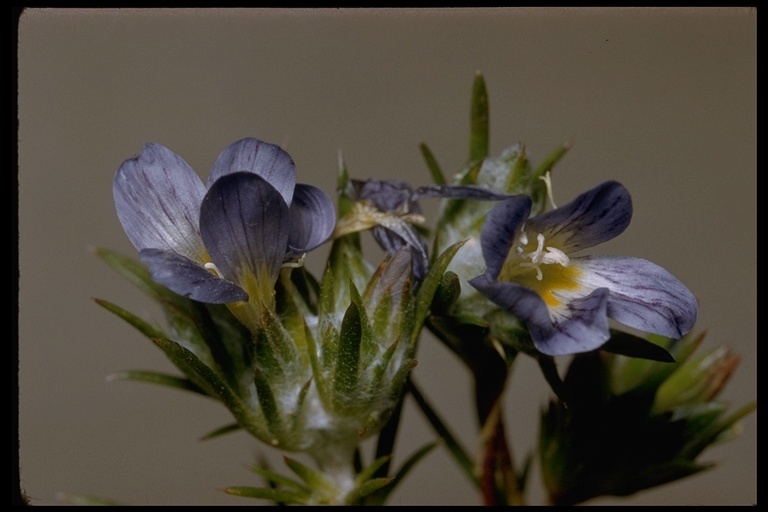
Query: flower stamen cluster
{"points": [[542, 255]]}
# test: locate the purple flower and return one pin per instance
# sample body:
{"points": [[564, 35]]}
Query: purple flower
{"points": [[396, 207], [224, 242], [566, 300]]}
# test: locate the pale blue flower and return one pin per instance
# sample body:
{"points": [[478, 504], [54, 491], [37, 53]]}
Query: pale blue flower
{"points": [[566, 300], [224, 242]]}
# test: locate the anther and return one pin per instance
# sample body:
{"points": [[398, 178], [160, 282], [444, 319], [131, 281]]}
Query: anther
{"points": [[213, 268], [295, 264]]}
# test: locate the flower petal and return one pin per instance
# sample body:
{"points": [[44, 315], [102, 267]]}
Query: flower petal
{"points": [[390, 279], [643, 295], [592, 218], [244, 223], [393, 198], [157, 197], [583, 328], [393, 234], [500, 229], [519, 300], [267, 160], [459, 192], [189, 278], [313, 218], [386, 195]]}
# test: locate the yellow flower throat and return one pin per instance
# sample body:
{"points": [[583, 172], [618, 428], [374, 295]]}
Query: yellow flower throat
{"points": [[545, 269]]}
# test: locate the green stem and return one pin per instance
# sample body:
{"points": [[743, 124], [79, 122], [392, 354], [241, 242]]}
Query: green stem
{"points": [[386, 442], [499, 481], [448, 438]]}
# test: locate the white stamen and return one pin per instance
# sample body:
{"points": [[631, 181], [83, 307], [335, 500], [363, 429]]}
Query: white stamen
{"points": [[522, 240], [295, 264], [555, 255], [536, 256], [543, 255], [213, 268]]}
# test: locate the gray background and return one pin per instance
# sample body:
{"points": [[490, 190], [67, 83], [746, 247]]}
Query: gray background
{"points": [[661, 100]]}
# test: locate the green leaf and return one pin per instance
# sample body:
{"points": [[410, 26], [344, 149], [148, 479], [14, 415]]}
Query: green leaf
{"points": [[698, 379], [400, 378], [368, 346], [522, 480], [269, 406], [709, 435], [276, 479], [447, 292], [144, 327], [655, 475], [307, 288], [315, 363], [137, 273], [226, 429], [550, 162], [549, 370], [371, 469], [381, 495], [291, 306], [276, 495], [315, 480], [629, 345], [347, 364], [683, 348], [205, 326], [280, 342], [214, 385], [365, 489], [469, 177], [428, 288], [383, 314], [345, 264], [519, 176], [434, 168], [377, 369], [158, 378], [298, 420], [189, 320], [478, 140]]}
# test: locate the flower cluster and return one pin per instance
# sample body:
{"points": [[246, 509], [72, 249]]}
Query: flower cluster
{"points": [[315, 365], [224, 242]]}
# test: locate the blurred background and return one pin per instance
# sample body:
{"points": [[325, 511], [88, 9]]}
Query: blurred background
{"points": [[663, 100]]}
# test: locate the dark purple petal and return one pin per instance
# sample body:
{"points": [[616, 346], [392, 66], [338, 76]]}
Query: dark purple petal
{"points": [[190, 279], [584, 328], [643, 295], [459, 192], [395, 197], [245, 223], [519, 300], [592, 218], [386, 195], [500, 229], [405, 236], [267, 160], [157, 197], [313, 218]]}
